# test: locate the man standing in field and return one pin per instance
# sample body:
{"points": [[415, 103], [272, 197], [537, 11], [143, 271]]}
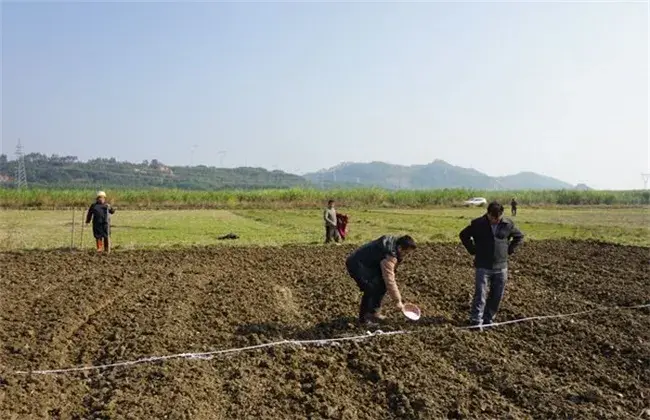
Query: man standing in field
{"points": [[373, 267], [513, 207], [329, 215], [99, 213], [491, 239]]}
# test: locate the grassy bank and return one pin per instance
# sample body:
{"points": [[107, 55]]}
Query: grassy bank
{"points": [[21, 229], [307, 198]]}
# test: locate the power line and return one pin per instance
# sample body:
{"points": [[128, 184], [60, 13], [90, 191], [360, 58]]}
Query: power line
{"points": [[21, 175]]}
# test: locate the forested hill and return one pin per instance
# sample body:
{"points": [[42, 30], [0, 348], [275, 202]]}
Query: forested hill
{"points": [[69, 172], [435, 175]]}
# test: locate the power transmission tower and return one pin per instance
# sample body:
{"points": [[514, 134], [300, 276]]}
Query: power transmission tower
{"points": [[21, 176], [646, 178], [192, 149], [221, 154]]}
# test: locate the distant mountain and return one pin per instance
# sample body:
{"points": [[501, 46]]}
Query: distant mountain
{"points": [[68, 172], [437, 174], [531, 181]]}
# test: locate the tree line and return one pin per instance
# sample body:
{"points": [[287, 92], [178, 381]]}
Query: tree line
{"points": [[69, 172]]}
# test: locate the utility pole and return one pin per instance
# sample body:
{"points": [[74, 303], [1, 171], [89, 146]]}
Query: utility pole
{"points": [[21, 175], [646, 178], [221, 154], [194, 146], [275, 178]]}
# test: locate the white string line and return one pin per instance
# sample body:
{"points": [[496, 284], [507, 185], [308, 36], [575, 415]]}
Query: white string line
{"points": [[210, 354], [327, 341], [533, 318]]}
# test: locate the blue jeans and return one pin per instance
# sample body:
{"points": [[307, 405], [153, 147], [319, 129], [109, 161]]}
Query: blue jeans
{"points": [[488, 291]]}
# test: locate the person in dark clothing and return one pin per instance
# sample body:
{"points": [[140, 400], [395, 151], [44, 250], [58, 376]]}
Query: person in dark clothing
{"points": [[491, 239], [372, 266], [513, 207], [99, 213]]}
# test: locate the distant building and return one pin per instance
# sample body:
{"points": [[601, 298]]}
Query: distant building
{"points": [[166, 170]]}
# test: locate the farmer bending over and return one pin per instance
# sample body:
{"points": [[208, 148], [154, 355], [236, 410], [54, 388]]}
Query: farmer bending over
{"points": [[373, 266], [99, 212], [491, 239]]}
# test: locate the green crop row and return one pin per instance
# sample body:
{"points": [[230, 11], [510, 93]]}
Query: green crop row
{"points": [[304, 198]]}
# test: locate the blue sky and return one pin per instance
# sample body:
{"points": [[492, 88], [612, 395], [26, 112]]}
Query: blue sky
{"points": [[556, 88]]}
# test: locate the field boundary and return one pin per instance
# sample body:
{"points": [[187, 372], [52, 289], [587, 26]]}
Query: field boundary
{"points": [[320, 342], [308, 198], [122, 249]]}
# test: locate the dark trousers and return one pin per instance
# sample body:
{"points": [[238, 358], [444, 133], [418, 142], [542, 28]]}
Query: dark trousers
{"points": [[331, 234], [101, 232], [489, 286], [371, 284], [513, 211]]}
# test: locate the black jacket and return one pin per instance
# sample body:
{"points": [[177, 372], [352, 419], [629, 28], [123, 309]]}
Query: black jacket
{"points": [[491, 250], [370, 255], [99, 214]]}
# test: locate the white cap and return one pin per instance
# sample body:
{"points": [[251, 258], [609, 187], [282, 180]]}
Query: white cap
{"points": [[101, 194]]}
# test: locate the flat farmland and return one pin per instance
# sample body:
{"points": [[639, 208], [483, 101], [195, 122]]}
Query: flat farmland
{"points": [[63, 309], [43, 229], [172, 293]]}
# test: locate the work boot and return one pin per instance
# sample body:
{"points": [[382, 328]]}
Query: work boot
{"points": [[378, 316], [368, 320], [372, 319]]}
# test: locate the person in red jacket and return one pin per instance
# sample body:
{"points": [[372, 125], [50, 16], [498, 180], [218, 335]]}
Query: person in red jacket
{"points": [[342, 225]]}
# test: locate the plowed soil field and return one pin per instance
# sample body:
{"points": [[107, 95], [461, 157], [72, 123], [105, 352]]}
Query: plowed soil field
{"points": [[63, 309]]}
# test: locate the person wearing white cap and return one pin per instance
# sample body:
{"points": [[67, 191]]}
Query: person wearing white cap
{"points": [[99, 213]]}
